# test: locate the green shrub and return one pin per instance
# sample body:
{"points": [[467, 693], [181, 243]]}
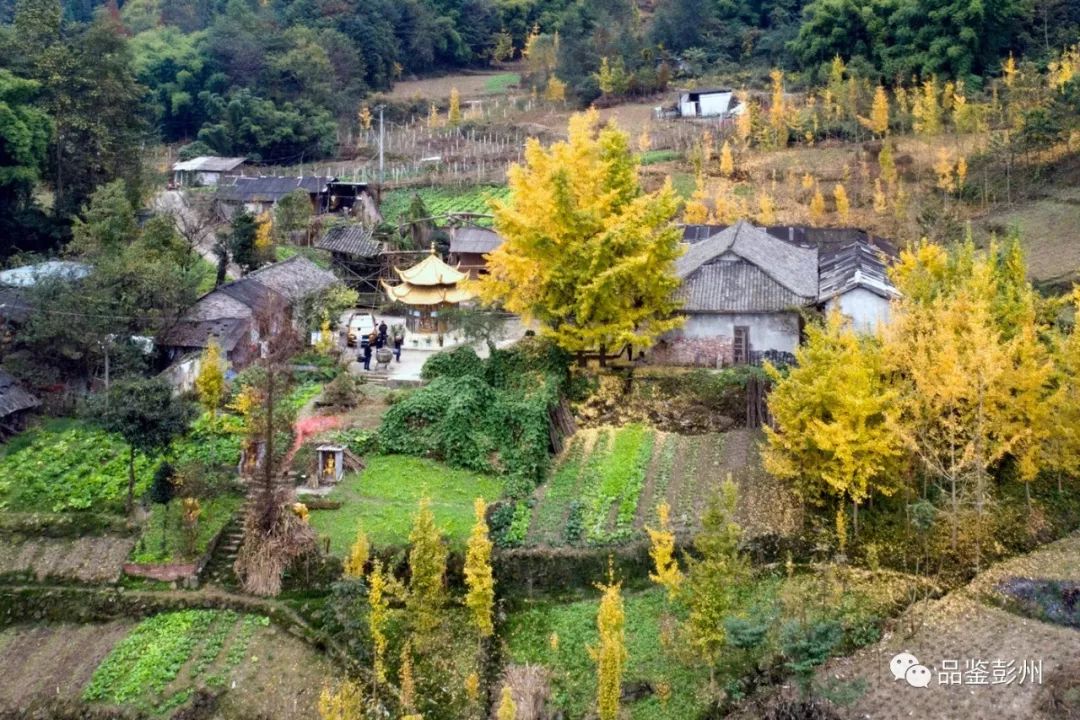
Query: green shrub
{"points": [[494, 421], [460, 362]]}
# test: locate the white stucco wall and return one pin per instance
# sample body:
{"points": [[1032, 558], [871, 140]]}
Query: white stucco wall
{"points": [[715, 104], [867, 310], [708, 340], [768, 331]]}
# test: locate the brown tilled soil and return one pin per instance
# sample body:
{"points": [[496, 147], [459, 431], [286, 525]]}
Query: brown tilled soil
{"points": [[281, 677], [41, 661], [86, 559]]}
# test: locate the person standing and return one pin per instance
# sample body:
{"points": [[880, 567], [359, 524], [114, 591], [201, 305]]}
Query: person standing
{"points": [[365, 351], [399, 340], [382, 332]]}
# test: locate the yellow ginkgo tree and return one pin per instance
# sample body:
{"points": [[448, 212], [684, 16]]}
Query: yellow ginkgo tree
{"points": [[587, 253], [836, 433]]}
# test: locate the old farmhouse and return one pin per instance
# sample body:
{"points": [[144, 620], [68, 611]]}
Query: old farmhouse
{"points": [[745, 288], [231, 315]]}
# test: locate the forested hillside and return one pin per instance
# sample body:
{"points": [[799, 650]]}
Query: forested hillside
{"points": [[91, 87]]}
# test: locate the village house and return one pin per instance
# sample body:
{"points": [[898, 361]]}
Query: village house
{"points": [[469, 247], [230, 315], [206, 170], [745, 290], [327, 195], [261, 194]]}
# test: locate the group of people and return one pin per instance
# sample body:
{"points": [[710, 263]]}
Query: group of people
{"points": [[379, 338]]}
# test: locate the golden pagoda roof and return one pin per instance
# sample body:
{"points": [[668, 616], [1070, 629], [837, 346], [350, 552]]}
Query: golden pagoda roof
{"points": [[431, 271], [411, 294]]}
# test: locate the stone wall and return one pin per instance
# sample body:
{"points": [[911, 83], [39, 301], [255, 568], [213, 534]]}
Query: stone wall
{"points": [[707, 340]]}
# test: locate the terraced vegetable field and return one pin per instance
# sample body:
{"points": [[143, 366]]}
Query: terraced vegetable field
{"points": [[606, 485], [442, 200], [155, 667]]}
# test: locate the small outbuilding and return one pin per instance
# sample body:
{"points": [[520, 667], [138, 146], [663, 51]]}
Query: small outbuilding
{"points": [[356, 252], [470, 245], [206, 170], [713, 102], [15, 405]]}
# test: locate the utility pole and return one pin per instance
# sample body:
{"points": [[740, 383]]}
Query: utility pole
{"points": [[382, 177]]}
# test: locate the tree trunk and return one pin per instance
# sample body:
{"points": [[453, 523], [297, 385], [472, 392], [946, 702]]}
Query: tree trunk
{"points": [[131, 480], [164, 525]]}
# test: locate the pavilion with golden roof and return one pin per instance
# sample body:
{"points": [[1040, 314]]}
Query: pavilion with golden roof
{"points": [[428, 287]]}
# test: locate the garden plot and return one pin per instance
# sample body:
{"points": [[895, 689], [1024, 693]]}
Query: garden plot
{"points": [[441, 201], [161, 662], [606, 485], [86, 559]]}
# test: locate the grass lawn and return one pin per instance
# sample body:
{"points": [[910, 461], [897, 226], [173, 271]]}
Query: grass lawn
{"points": [[383, 499], [502, 82], [215, 514]]}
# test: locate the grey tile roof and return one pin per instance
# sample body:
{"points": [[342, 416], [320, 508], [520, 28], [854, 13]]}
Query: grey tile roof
{"points": [[794, 268], [735, 285], [862, 262], [269, 189], [13, 307], [226, 313], [294, 279], [355, 240], [13, 397], [228, 332], [473, 239]]}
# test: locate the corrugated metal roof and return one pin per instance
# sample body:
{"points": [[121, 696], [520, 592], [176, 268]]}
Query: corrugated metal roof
{"points": [[732, 284], [29, 275], [795, 268], [355, 240], [473, 239], [210, 163], [13, 397], [269, 189]]}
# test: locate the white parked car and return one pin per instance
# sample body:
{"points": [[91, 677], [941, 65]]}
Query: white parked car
{"points": [[360, 324]]}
